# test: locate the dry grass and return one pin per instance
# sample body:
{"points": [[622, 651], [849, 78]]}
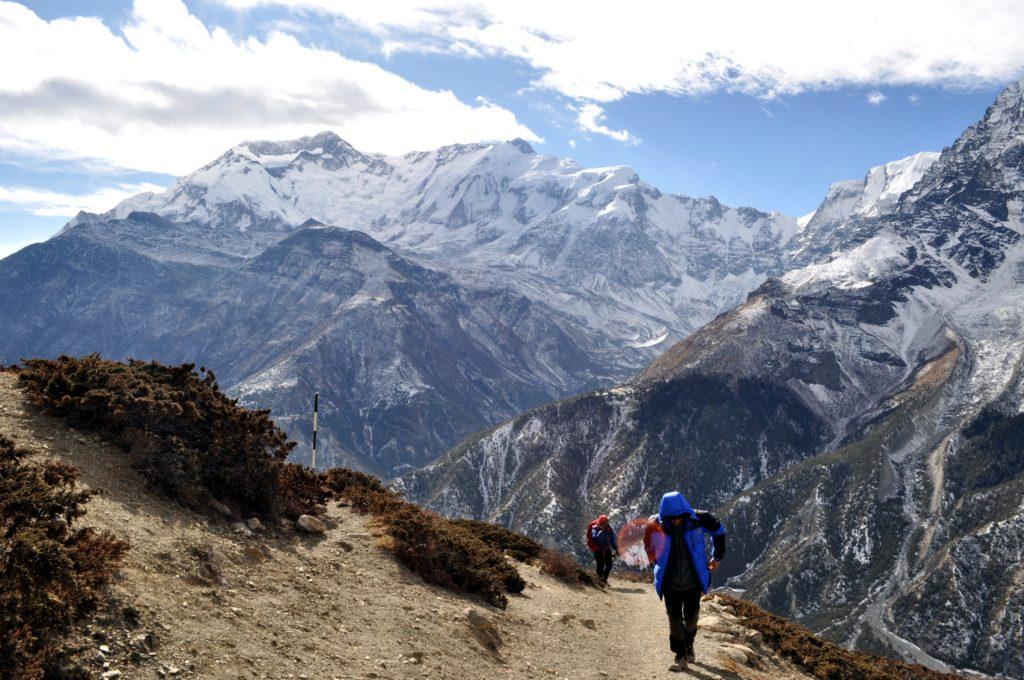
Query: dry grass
{"points": [[51, 572], [820, 657]]}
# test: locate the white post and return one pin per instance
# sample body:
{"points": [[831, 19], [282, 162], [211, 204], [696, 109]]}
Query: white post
{"points": [[316, 411]]}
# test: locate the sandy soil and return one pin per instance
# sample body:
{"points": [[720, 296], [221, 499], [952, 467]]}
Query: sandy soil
{"points": [[283, 605]]}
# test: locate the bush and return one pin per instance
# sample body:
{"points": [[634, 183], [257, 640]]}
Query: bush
{"points": [[450, 556], [515, 545], [820, 657], [50, 573], [181, 431], [192, 440], [525, 549], [439, 549]]}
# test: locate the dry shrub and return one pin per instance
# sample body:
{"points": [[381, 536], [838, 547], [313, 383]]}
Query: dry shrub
{"points": [[820, 657], [565, 568], [440, 550], [450, 556], [180, 429], [184, 434], [513, 544], [525, 549], [51, 572]]}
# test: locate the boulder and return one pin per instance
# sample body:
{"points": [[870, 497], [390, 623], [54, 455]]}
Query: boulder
{"points": [[310, 525]]}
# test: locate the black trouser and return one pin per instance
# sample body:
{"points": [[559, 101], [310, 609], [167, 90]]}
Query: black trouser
{"points": [[683, 607], [604, 563]]}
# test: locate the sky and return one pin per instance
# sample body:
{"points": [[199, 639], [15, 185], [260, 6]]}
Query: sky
{"points": [[759, 104]]}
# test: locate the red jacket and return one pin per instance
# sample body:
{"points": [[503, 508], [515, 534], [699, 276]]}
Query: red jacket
{"points": [[596, 541]]}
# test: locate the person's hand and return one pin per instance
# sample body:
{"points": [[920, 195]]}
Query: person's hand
{"points": [[713, 565]]}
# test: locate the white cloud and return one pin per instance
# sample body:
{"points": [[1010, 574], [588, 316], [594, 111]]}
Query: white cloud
{"points": [[914, 98], [46, 203], [589, 117], [165, 93], [601, 51], [875, 98]]}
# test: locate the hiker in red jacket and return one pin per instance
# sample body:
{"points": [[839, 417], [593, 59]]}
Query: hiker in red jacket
{"points": [[602, 542]]}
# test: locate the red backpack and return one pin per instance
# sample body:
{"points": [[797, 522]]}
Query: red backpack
{"points": [[591, 543]]}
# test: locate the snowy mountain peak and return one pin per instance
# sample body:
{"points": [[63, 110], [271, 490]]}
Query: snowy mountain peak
{"points": [[838, 223], [1001, 129], [877, 193]]}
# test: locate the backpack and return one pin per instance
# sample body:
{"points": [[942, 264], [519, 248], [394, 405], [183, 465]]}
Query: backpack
{"points": [[592, 537]]}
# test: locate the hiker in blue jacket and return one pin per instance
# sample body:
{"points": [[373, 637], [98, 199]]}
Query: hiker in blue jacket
{"points": [[675, 545]]}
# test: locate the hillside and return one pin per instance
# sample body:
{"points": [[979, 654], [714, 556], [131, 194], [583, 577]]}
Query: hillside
{"points": [[827, 418], [280, 604]]}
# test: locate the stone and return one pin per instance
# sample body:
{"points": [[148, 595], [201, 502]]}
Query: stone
{"points": [[589, 623], [254, 524], [311, 525], [105, 649], [221, 508], [111, 675], [736, 653], [240, 528]]}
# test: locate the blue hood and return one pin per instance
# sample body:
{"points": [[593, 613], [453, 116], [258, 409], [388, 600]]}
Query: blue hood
{"points": [[673, 503]]}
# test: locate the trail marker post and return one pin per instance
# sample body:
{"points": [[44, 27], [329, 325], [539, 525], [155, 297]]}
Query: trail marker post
{"points": [[316, 412]]}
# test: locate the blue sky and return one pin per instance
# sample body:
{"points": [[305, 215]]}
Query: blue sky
{"points": [[765, 110]]}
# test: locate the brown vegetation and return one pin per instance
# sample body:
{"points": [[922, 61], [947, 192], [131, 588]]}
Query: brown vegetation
{"points": [[438, 549], [820, 657], [51, 573], [180, 430], [525, 549]]}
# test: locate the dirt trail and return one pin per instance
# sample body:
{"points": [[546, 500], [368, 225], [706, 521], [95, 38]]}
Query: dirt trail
{"points": [[283, 605]]}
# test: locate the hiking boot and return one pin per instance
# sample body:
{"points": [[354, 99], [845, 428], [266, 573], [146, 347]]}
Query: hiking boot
{"points": [[690, 654], [679, 665]]}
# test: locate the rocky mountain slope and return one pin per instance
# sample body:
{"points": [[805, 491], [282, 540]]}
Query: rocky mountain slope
{"points": [[196, 599], [494, 279], [509, 279], [408, 360], [825, 416]]}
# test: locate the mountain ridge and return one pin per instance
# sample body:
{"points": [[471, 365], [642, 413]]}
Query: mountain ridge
{"points": [[835, 350]]}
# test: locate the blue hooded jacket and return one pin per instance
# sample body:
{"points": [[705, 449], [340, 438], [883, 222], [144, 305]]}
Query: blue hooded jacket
{"points": [[674, 504]]}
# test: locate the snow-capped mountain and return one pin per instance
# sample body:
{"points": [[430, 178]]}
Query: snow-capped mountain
{"points": [[560, 278], [832, 226], [406, 359], [857, 420], [636, 265]]}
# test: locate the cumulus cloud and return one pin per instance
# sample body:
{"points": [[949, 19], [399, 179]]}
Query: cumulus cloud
{"points": [[589, 117], [46, 203], [601, 51], [166, 93], [875, 98]]}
